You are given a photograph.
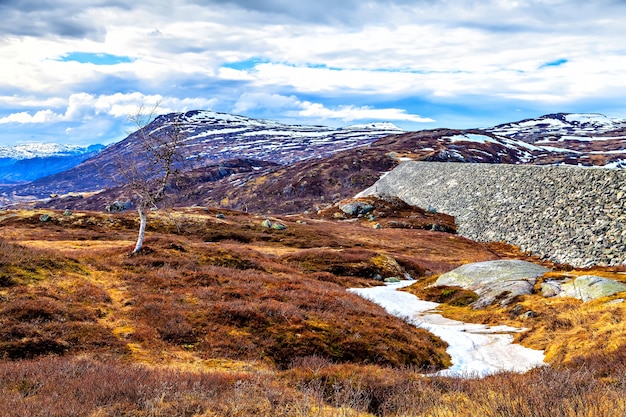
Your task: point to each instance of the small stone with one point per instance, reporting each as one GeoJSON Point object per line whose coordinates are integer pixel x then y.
{"type": "Point", "coordinates": [278, 226]}
{"type": "Point", "coordinates": [529, 315]}
{"type": "Point", "coordinates": [377, 226]}
{"type": "Point", "coordinates": [266, 223]}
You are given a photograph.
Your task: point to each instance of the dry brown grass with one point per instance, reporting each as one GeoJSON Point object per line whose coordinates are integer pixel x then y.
{"type": "Point", "coordinates": [229, 319]}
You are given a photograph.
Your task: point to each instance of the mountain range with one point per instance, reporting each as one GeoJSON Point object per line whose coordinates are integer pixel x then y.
{"type": "Point", "coordinates": [31, 161]}
{"type": "Point", "coordinates": [264, 166]}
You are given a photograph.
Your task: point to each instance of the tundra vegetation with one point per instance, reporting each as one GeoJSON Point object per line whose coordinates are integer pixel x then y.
{"type": "Point", "coordinates": [219, 316]}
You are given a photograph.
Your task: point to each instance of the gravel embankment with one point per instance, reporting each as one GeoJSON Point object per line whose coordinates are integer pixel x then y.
{"type": "Point", "coordinates": [568, 214]}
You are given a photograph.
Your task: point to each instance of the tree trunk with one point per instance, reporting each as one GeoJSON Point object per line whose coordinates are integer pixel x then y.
{"type": "Point", "coordinates": [142, 229]}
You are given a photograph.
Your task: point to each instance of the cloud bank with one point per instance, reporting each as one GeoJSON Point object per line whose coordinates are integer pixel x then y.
{"type": "Point", "coordinates": [73, 71]}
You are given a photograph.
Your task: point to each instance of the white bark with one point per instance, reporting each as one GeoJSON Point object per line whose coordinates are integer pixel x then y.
{"type": "Point", "coordinates": [142, 229]}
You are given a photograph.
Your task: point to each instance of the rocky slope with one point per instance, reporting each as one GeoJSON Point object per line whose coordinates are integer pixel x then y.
{"type": "Point", "coordinates": [567, 214]}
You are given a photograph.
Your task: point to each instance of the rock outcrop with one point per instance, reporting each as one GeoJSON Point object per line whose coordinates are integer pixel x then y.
{"type": "Point", "coordinates": [585, 288]}
{"type": "Point", "coordinates": [500, 280]}
{"type": "Point", "coordinates": [566, 214]}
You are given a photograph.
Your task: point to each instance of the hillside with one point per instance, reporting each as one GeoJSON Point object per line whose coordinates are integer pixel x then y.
{"type": "Point", "coordinates": [315, 166]}
{"type": "Point", "coordinates": [209, 138]}
{"type": "Point", "coordinates": [221, 316]}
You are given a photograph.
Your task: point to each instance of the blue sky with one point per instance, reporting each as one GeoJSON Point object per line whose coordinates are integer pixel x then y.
{"type": "Point", "coordinates": [72, 71]}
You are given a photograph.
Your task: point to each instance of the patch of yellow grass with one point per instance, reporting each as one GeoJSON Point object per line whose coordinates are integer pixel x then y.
{"type": "Point", "coordinates": [69, 246]}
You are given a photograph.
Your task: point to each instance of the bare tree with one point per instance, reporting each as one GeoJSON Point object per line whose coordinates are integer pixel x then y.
{"type": "Point", "coordinates": [148, 175]}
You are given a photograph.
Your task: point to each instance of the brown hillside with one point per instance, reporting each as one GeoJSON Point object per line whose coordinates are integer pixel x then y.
{"type": "Point", "coordinates": [220, 316]}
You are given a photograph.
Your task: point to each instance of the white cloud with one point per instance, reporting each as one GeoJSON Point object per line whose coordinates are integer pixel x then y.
{"type": "Point", "coordinates": [454, 55]}
{"type": "Point", "coordinates": [260, 101]}
{"type": "Point", "coordinates": [84, 106]}
{"type": "Point", "coordinates": [290, 106]}
{"type": "Point", "coordinates": [42, 116]}
{"type": "Point", "coordinates": [351, 113]}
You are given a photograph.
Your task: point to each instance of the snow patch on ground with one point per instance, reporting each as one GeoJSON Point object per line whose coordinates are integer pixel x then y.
{"type": "Point", "coordinates": [477, 350]}
{"type": "Point", "coordinates": [470, 137]}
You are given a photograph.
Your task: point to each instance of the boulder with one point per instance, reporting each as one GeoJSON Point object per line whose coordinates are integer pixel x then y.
{"type": "Point", "coordinates": [116, 207]}
{"type": "Point", "coordinates": [266, 223]}
{"type": "Point", "coordinates": [356, 208]}
{"type": "Point", "coordinates": [500, 280]}
{"type": "Point", "coordinates": [590, 287]}
{"type": "Point", "coordinates": [278, 226]}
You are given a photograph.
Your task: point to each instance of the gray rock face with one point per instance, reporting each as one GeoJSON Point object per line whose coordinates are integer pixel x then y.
{"type": "Point", "coordinates": [585, 287]}
{"type": "Point", "coordinates": [567, 214]}
{"type": "Point", "coordinates": [500, 280]}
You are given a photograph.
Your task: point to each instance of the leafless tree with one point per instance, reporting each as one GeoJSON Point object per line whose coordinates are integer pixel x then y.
{"type": "Point", "coordinates": [147, 176]}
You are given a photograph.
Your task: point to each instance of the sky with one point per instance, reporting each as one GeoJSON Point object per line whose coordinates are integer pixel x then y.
{"type": "Point", "coordinates": [73, 71]}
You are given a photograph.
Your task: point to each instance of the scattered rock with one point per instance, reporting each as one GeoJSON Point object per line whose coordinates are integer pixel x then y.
{"type": "Point", "coordinates": [67, 212]}
{"type": "Point", "coordinates": [377, 226]}
{"type": "Point", "coordinates": [529, 315]}
{"type": "Point", "coordinates": [590, 287]}
{"type": "Point", "coordinates": [266, 223]}
{"type": "Point", "coordinates": [44, 218]}
{"type": "Point", "coordinates": [220, 216]}
{"type": "Point", "coordinates": [278, 226]}
{"type": "Point", "coordinates": [500, 280]}
{"type": "Point", "coordinates": [391, 280]}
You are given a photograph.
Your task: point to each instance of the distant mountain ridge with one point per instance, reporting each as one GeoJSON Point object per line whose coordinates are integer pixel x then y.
{"type": "Point", "coordinates": [265, 166]}
{"type": "Point", "coordinates": [210, 138]}
{"type": "Point", "coordinates": [42, 150]}
{"type": "Point", "coordinates": [553, 127]}
{"type": "Point", "coordinates": [31, 161]}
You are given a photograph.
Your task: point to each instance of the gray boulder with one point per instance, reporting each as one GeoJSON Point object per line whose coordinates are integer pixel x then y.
{"type": "Point", "coordinates": [116, 207]}
{"type": "Point", "coordinates": [278, 226]}
{"type": "Point", "coordinates": [590, 287]}
{"type": "Point", "coordinates": [356, 208]}
{"type": "Point", "coordinates": [500, 280]}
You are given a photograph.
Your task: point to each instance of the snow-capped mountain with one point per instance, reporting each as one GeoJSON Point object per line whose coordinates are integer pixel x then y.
{"type": "Point", "coordinates": [219, 136]}
{"type": "Point", "coordinates": [28, 162]}
{"type": "Point", "coordinates": [561, 126]}
{"type": "Point", "coordinates": [300, 167]}
{"type": "Point", "coordinates": [42, 150]}
{"type": "Point", "coordinates": [573, 139]}
{"type": "Point", "coordinates": [210, 138]}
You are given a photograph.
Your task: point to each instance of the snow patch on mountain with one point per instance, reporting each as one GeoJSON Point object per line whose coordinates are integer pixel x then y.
{"type": "Point", "coordinates": [560, 125]}
{"type": "Point", "coordinates": [42, 150]}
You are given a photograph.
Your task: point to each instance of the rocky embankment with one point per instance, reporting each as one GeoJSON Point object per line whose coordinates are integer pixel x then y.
{"type": "Point", "coordinates": [566, 214]}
